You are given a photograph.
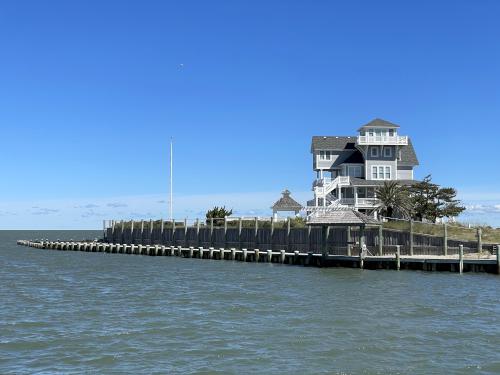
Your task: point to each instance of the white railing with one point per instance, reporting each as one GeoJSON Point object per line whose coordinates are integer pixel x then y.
{"type": "Point", "coordinates": [348, 201]}
{"type": "Point", "coordinates": [383, 140]}
{"type": "Point", "coordinates": [367, 202]}
{"type": "Point", "coordinates": [323, 189]}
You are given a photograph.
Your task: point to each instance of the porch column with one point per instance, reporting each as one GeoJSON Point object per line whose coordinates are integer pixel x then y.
{"type": "Point", "coordinates": [355, 197]}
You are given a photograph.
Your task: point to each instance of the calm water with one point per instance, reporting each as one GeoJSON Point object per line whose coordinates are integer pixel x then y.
{"type": "Point", "coordinates": [70, 312]}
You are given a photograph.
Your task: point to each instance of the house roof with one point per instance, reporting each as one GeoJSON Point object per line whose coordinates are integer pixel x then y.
{"type": "Point", "coordinates": [286, 203]}
{"type": "Point", "coordinates": [379, 123]}
{"type": "Point", "coordinates": [408, 155]}
{"type": "Point", "coordinates": [356, 157]}
{"type": "Point", "coordinates": [344, 216]}
{"type": "Point", "coordinates": [333, 143]}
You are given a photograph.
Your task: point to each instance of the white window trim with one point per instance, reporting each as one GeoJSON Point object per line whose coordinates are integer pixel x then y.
{"type": "Point", "coordinates": [377, 169]}
{"type": "Point", "coordinates": [374, 148]}
{"type": "Point", "coordinates": [390, 152]}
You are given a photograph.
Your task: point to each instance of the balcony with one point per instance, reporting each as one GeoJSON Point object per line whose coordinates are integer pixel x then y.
{"type": "Point", "coordinates": [396, 140]}
{"type": "Point", "coordinates": [367, 202]}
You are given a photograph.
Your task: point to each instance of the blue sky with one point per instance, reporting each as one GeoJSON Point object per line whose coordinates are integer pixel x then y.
{"type": "Point", "coordinates": [92, 91]}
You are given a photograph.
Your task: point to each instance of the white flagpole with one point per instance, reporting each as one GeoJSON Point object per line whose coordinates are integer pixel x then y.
{"type": "Point", "coordinates": [171, 178]}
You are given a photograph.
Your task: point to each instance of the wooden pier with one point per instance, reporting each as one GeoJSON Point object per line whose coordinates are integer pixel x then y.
{"type": "Point", "coordinates": [459, 263]}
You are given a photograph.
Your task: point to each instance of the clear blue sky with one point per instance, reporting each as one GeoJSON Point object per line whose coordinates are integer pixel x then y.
{"type": "Point", "coordinates": [91, 92]}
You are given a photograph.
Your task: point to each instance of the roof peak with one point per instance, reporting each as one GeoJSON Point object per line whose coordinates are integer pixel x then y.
{"type": "Point", "coordinates": [380, 123]}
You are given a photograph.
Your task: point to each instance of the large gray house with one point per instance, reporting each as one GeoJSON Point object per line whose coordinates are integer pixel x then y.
{"type": "Point", "coordinates": [349, 169]}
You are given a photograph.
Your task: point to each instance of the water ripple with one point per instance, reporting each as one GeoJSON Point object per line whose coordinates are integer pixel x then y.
{"type": "Point", "coordinates": [79, 313]}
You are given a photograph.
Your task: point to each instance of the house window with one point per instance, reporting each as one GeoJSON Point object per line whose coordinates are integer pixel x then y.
{"type": "Point", "coordinates": [354, 171]}
{"type": "Point", "coordinates": [325, 155]}
{"type": "Point", "coordinates": [391, 132]}
{"type": "Point", "coordinates": [371, 132]}
{"type": "Point", "coordinates": [381, 172]}
{"type": "Point", "coordinates": [388, 152]}
{"type": "Point", "coordinates": [374, 152]}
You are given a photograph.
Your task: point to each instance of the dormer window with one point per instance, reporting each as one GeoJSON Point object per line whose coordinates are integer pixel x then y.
{"type": "Point", "coordinates": [374, 152]}
{"type": "Point", "coordinates": [388, 152]}
{"type": "Point", "coordinates": [325, 155]}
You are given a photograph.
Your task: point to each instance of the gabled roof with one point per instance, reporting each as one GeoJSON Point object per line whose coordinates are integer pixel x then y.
{"type": "Point", "coordinates": [286, 203]}
{"type": "Point", "coordinates": [344, 216]}
{"type": "Point", "coordinates": [379, 123]}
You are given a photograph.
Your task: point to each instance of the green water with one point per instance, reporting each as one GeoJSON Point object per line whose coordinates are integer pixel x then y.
{"type": "Point", "coordinates": [80, 313]}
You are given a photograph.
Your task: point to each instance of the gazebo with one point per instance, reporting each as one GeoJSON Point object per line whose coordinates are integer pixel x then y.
{"type": "Point", "coordinates": [341, 217]}
{"type": "Point", "coordinates": [286, 203]}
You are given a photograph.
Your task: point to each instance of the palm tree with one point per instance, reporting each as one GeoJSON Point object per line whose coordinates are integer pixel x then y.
{"type": "Point", "coordinates": [394, 199]}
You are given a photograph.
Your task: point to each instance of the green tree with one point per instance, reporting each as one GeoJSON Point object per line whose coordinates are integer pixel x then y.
{"type": "Point", "coordinates": [423, 196]}
{"type": "Point", "coordinates": [430, 201]}
{"type": "Point", "coordinates": [448, 205]}
{"type": "Point", "coordinates": [218, 214]}
{"type": "Point", "coordinates": [394, 199]}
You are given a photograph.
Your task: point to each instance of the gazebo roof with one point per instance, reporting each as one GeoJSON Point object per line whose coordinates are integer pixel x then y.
{"type": "Point", "coordinates": [343, 217]}
{"type": "Point", "coordinates": [286, 203]}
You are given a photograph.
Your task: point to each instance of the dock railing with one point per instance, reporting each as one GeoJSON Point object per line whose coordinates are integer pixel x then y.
{"type": "Point", "coordinates": [291, 234]}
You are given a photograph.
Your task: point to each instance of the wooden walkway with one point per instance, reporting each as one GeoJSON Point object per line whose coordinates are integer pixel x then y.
{"type": "Point", "coordinates": [469, 263]}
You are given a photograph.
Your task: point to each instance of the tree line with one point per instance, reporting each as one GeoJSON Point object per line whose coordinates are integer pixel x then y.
{"type": "Point", "coordinates": [421, 201]}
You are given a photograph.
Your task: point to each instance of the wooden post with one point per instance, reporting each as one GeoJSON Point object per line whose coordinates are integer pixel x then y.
{"type": "Point", "coordinates": [445, 239]}
{"type": "Point", "coordinates": [173, 232]}
{"type": "Point", "coordinates": [362, 238]}
{"type": "Point", "coordinates": [186, 242]}
{"type": "Point", "coordinates": [272, 231]}
{"type": "Point", "coordinates": [479, 240]}
{"type": "Point", "coordinates": [498, 258]}
{"type": "Point", "coordinates": [211, 232]}
{"type": "Point", "coordinates": [198, 232]}
{"type": "Point", "coordinates": [349, 240]}
{"type": "Point", "coordinates": [162, 229]}
{"type": "Point", "coordinates": [142, 230]}
{"type": "Point", "coordinates": [240, 228]}
{"type": "Point", "coordinates": [132, 231]}
{"type": "Point", "coordinates": [122, 229]}
{"type": "Point", "coordinates": [288, 235]}
{"type": "Point", "coordinates": [309, 238]}
{"type": "Point", "coordinates": [411, 237]}
{"type": "Point", "coordinates": [225, 231]}
{"type": "Point", "coordinates": [256, 238]}
{"type": "Point", "coordinates": [398, 257]}
{"type": "Point", "coordinates": [380, 240]}
{"type": "Point", "coordinates": [325, 229]}
{"type": "Point", "coordinates": [361, 246]}
{"type": "Point", "coordinates": [461, 258]}
{"type": "Point", "coordinates": [150, 231]}
{"type": "Point", "coordinates": [112, 231]}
